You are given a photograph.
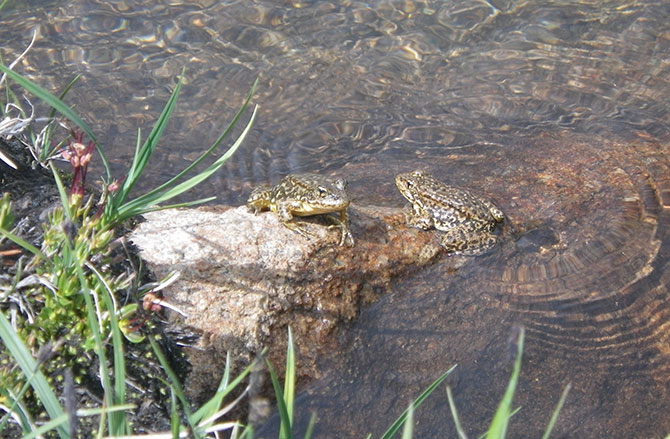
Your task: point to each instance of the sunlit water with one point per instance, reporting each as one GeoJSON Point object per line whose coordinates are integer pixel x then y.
{"type": "Point", "coordinates": [473, 91]}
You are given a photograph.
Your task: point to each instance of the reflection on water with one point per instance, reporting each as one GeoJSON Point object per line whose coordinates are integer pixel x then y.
{"type": "Point", "coordinates": [360, 82]}
{"type": "Point", "coordinates": [465, 89]}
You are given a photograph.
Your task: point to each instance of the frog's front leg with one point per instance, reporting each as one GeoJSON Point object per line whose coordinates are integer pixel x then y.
{"type": "Point", "coordinates": [284, 211]}
{"type": "Point", "coordinates": [462, 240]}
{"type": "Point", "coordinates": [417, 217]}
{"type": "Point", "coordinates": [343, 224]}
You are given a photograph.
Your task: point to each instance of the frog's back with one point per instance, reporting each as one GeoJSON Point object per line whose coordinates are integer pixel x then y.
{"type": "Point", "coordinates": [299, 187]}
{"type": "Point", "coordinates": [451, 204]}
{"type": "Point", "coordinates": [468, 205]}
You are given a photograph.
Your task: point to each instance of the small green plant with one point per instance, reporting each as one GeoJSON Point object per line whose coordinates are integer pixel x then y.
{"type": "Point", "coordinates": [505, 411]}
{"type": "Point", "coordinates": [75, 305]}
{"type": "Point", "coordinates": [6, 217]}
{"type": "Point", "coordinates": [286, 397]}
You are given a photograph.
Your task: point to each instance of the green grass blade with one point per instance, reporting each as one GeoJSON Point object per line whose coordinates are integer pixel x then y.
{"type": "Point", "coordinates": [50, 99]}
{"type": "Point", "coordinates": [454, 415]}
{"type": "Point", "coordinates": [289, 377]}
{"type": "Point", "coordinates": [28, 365]}
{"type": "Point", "coordinates": [175, 386]}
{"type": "Point", "coordinates": [138, 150]}
{"type": "Point", "coordinates": [285, 426]}
{"type": "Point", "coordinates": [48, 426]}
{"type": "Point", "coordinates": [96, 411]}
{"type": "Point", "coordinates": [16, 400]}
{"type": "Point", "coordinates": [248, 433]}
{"type": "Point", "coordinates": [557, 410]}
{"type": "Point", "coordinates": [45, 153]}
{"type": "Point", "coordinates": [117, 419]}
{"type": "Point", "coordinates": [24, 244]}
{"type": "Point", "coordinates": [174, 415]}
{"type": "Point", "coordinates": [15, 407]}
{"type": "Point", "coordinates": [148, 201]}
{"type": "Point", "coordinates": [409, 423]}
{"type": "Point", "coordinates": [99, 347]}
{"type": "Point", "coordinates": [498, 427]}
{"type": "Point", "coordinates": [64, 199]}
{"type": "Point", "coordinates": [54, 423]}
{"type": "Point", "coordinates": [208, 409]}
{"type": "Point", "coordinates": [57, 104]}
{"type": "Point", "coordinates": [218, 141]}
{"type": "Point", "coordinates": [149, 146]}
{"type": "Point", "coordinates": [417, 402]}
{"type": "Point", "coordinates": [310, 426]}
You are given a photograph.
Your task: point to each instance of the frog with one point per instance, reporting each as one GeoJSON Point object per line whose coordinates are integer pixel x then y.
{"type": "Point", "coordinates": [467, 219]}
{"type": "Point", "coordinates": [305, 195]}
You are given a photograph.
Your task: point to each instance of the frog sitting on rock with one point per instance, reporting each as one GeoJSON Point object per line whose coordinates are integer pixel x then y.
{"type": "Point", "coordinates": [467, 219]}
{"type": "Point", "coordinates": [305, 195]}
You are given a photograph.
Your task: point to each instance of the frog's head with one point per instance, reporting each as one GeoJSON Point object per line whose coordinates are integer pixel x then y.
{"type": "Point", "coordinates": [409, 183]}
{"type": "Point", "coordinates": [325, 197]}
{"type": "Point", "coordinates": [496, 213]}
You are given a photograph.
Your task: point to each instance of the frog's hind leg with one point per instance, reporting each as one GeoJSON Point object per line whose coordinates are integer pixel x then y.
{"type": "Point", "coordinates": [462, 241]}
{"type": "Point", "coordinates": [259, 199]}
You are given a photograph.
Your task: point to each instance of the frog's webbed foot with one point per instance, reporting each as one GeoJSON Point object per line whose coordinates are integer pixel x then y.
{"type": "Point", "coordinates": [298, 228]}
{"type": "Point", "coordinates": [463, 242]}
{"type": "Point", "coordinates": [345, 237]}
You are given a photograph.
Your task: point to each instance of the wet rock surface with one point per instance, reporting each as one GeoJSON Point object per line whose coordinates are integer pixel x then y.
{"type": "Point", "coordinates": [245, 278]}
{"type": "Point", "coordinates": [582, 263]}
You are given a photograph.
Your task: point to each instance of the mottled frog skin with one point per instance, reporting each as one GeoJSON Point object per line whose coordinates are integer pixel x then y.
{"type": "Point", "coordinates": [304, 195]}
{"type": "Point", "coordinates": [467, 219]}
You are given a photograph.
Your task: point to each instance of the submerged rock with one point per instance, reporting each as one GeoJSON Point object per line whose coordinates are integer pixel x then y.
{"type": "Point", "coordinates": [245, 278]}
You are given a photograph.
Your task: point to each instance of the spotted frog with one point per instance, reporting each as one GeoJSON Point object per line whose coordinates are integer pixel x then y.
{"type": "Point", "coordinates": [467, 219]}
{"type": "Point", "coordinates": [304, 195]}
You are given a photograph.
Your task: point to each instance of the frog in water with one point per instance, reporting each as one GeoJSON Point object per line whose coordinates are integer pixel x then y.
{"type": "Point", "coordinates": [304, 195]}
{"type": "Point", "coordinates": [467, 219]}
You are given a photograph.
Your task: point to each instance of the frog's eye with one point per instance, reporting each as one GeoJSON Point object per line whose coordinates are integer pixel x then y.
{"type": "Point", "coordinates": [322, 191]}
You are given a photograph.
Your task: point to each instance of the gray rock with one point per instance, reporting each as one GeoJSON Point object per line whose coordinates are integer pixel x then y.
{"type": "Point", "coordinates": [245, 278]}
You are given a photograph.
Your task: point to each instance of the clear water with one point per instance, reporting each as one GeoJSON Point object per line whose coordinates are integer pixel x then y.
{"type": "Point", "coordinates": [509, 97]}
{"type": "Point", "coordinates": [352, 82]}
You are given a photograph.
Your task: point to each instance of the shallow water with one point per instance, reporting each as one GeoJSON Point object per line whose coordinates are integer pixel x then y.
{"type": "Point", "coordinates": [558, 112]}
{"type": "Point", "coordinates": [373, 82]}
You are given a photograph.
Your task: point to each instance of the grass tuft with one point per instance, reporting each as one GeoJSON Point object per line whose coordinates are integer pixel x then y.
{"type": "Point", "coordinates": [79, 299]}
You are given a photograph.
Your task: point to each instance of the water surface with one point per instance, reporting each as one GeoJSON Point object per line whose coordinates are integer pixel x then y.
{"type": "Point", "coordinates": [557, 111]}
